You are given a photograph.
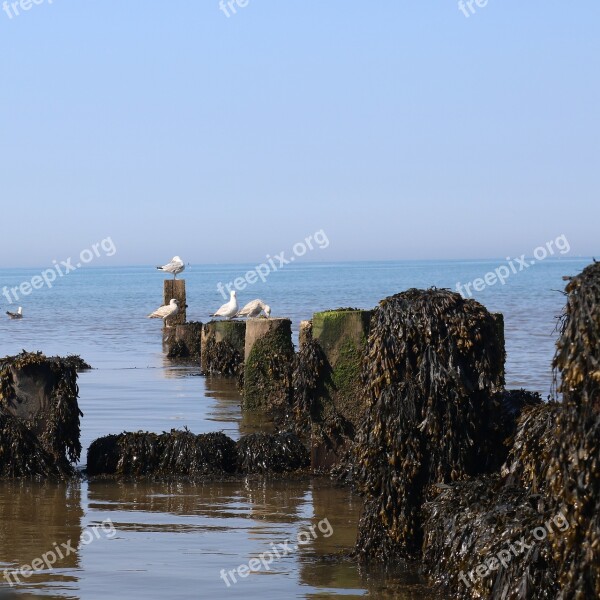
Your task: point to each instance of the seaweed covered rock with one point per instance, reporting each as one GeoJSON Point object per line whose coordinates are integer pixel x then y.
{"type": "Point", "coordinates": [511, 405]}
{"type": "Point", "coordinates": [483, 539]}
{"type": "Point", "coordinates": [269, 364]}
{"type": "Point", "coordinates": [41, 393]}
{"type": "Point", "coordinates": [271, 453]}
{"type": "Point", "coordinates": [434, 362]}
{"type": "Point", "coordinates": [577, 357]}
{"type": "Point", "coordinates": [222, 347]}
{"type": "Point", "coordinates": [177, 453]}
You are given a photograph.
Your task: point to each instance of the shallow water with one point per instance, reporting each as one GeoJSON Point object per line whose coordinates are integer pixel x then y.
{"type": "Point", "coordinates": [171, 541]}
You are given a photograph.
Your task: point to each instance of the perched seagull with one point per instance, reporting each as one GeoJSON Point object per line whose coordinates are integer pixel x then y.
{"type": "Point", "coordinates": [229, 309]}
{"type": "Point", "coordinates": [166, 311]}
{"type": "Point", "coordinates": [254, 308]}
{"type": "Point", "coordinates": [17, 315]}
{"type": "Point", "coordinates": [175, 267]}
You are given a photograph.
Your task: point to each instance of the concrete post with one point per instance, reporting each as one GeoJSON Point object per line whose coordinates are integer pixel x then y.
{"type": "Point", "coordinates": [269, 356]}
{"type": "Point", "coordinates": [222, 347]}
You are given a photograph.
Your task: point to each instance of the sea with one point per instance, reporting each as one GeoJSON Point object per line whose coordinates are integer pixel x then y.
{"type": "Point", "coordinates": [182, 540]}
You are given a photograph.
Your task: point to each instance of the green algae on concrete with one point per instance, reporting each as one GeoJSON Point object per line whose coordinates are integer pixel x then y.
{"type": "Point", "coordinates": [268, 368]}
{"type": "Point", "coordinates": [342, 335]}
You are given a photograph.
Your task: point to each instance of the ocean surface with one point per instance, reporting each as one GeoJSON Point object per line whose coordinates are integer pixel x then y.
{"type": "Point", "coordinates": [172, 541]}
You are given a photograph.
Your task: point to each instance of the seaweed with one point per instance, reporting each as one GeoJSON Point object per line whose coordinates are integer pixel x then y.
{"type": "Point", "coordinates": [577, 357]}
{"type": "Point", "coordinates": [42, 392]}
{"type": "Point", "coordinates": [174, 454]}
{"type": "Point", "coordinates": [434, 361]}
{"type": "Point", "coordinates": [221, 358]}
{"type": "Point", "coordinates": [474, 533]}
{"type": "Point", "coordinates": [22, 454]}
{"type": "Point", "coordinates": [271, 453]}
{"type": "Point", "coordinates": [268, 373]}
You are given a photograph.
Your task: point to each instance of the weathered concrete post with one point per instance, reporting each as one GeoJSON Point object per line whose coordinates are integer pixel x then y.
{"type": "Point", "coordinates": [222, 347]}
{"type": "Point", "coordinates": [175, 288]}
{"type": "Point", "coordinates": [186, 342]}
{"type": "Point", "coordinates": [342, 336]}
{"type": "Point", "coordinates": [269, 356]}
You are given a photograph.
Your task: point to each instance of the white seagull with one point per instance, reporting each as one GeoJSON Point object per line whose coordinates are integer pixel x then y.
{"type": "Point", "coordinates": [254, 309]}
{"type": "Point", "coordinates": [229, 309]}
{"type": "Point", "coordinates": [17, 315]}
{"type": "Point", "coordinates": [175, 267]}
{"type": "Point", "coordinates": [166, 311]}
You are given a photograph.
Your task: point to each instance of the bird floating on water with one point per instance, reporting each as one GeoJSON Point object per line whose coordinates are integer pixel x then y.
{"type": "Point", "coordinates": [17, 315]}
{"type": "Point", "coordinates": [174, 267]}
{"type": "Point", "coordinates": [166, 311]}
{"type": "Point", "coordinates": [229, 309]}
{"type": "Point", "coordinates": [254, 309]}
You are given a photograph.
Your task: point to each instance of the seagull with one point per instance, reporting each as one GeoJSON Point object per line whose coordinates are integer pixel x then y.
{"type": "Point", "coordinates": [17, 315]}
{"type": "Point", "coordinates": [166, 311]}
{"type": "Point", "coordinates": [254, 308]}
{"type": "Point", "coordinates": [176, 266]}
{"type": "Point", "coordinates": [229, 309]}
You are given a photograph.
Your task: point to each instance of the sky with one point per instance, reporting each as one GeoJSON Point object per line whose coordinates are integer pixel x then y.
{"type": "Point", "coordinates": [403, 130]}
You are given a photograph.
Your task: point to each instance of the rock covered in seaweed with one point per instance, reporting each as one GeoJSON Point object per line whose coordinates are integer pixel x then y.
{"type": "Point", "coordinates": [483, 539]}
{"type": "Point", "coordinates": [271, 453]}
{"type": "Point", "coordinates": [434, 361]}
{"type": "Point", "coordinates": [177, 453]}
{"type": "Point", "coordinates": [577, 355]}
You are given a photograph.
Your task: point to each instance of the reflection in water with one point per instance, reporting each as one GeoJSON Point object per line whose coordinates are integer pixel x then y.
{"type": "Point", "coordinates": [35, 519]}
{"type": "Point", "coordinates": [175, 537]}
{"type": "Point", "coordinates": [227, 408]}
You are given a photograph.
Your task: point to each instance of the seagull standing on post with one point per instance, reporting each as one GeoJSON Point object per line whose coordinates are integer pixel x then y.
{"type": "Point", "coordinates": [175, 267]}
{"type": "Point", "coordinates": [166, 311]}
{"type": "Point", "coordinates": [229, 309]}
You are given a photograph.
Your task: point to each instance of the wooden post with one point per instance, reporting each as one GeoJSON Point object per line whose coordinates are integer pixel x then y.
{"type": "Point", "coordinates": [175, 288]}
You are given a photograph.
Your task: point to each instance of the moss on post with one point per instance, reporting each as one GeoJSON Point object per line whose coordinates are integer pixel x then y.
{"type": "Point", "coordinates": [269, 364]}
{"type": "Point", "coordinates": [342, 334]}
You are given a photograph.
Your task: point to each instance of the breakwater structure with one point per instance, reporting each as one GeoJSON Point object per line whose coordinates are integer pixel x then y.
{"type": "Point", "coordinates": [493, 492]}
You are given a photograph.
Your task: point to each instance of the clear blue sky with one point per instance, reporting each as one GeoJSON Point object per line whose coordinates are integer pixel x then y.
{"type": "Point", "coordinates": [403, 129]}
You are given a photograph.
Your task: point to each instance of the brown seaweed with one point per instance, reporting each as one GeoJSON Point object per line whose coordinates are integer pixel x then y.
{"type": "Point", "coordinates": [434, 363]}
{"type": "Point", "coordinates": [271, 453]}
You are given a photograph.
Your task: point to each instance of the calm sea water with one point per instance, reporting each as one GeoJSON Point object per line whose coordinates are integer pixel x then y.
{"type": "Point", "coordinates": [173, 540]}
